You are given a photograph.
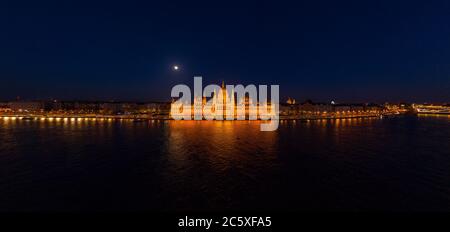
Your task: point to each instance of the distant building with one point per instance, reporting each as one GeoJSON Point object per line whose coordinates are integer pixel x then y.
{"type": "Point", "coordinates": [87, 107]}
{"type": "Point", "coordinates": [290, 101]}
{"type": "Point", "coordinates": [4, 107]}
{"type": "Point", "coordinates": [73, 107]}
{"type": "Point", "coordinates": [152, 108]}
{"type": "Point", "coordinates": [342, 108]}
{"type": "Point", "coordinates": [27, 106]}
{"type": "Point", "coordinates": [288, 109]}
{"type": "Point", "coordinates": [157, 107]}
{"type": "Point", "coordinates": [112, 108]}
{"type": "Point", "coordinates": [371, 107]}
{"type": "Point", "coordinates": [311, 107]}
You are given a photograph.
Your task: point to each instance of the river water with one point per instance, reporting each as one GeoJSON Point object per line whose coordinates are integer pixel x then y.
{"type": "Point", "coordinates": [366, 164]}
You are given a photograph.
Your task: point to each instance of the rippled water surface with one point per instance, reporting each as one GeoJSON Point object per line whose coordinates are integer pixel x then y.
{"type": "Point", "coordinates": [394, 164]}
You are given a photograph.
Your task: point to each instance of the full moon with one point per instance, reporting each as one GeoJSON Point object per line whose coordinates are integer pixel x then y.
{"type": "Point", "coordinates": [175, 67]}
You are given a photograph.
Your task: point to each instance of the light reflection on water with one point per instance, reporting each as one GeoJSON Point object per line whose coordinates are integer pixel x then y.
{"type": "Point", "coordinates": [346, 164]}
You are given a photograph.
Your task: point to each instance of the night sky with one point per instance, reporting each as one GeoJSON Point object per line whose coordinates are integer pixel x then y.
{"type": "Point", "coordinates": [321, 50]}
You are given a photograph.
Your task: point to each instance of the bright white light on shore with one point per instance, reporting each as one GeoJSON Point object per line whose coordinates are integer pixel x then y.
{"type": "Point", "coordinates": [175, 67]}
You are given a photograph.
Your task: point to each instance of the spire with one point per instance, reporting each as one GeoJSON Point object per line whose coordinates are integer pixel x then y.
{"type": "Point", "coordinates": [223, 84]}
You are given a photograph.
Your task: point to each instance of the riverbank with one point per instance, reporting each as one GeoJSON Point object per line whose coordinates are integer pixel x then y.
{"type": "Point", "coordinates": [167, 117]}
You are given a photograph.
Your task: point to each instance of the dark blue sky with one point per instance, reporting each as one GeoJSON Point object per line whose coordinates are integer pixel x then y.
{"type": "Point", "coordinates": [342, 50]}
